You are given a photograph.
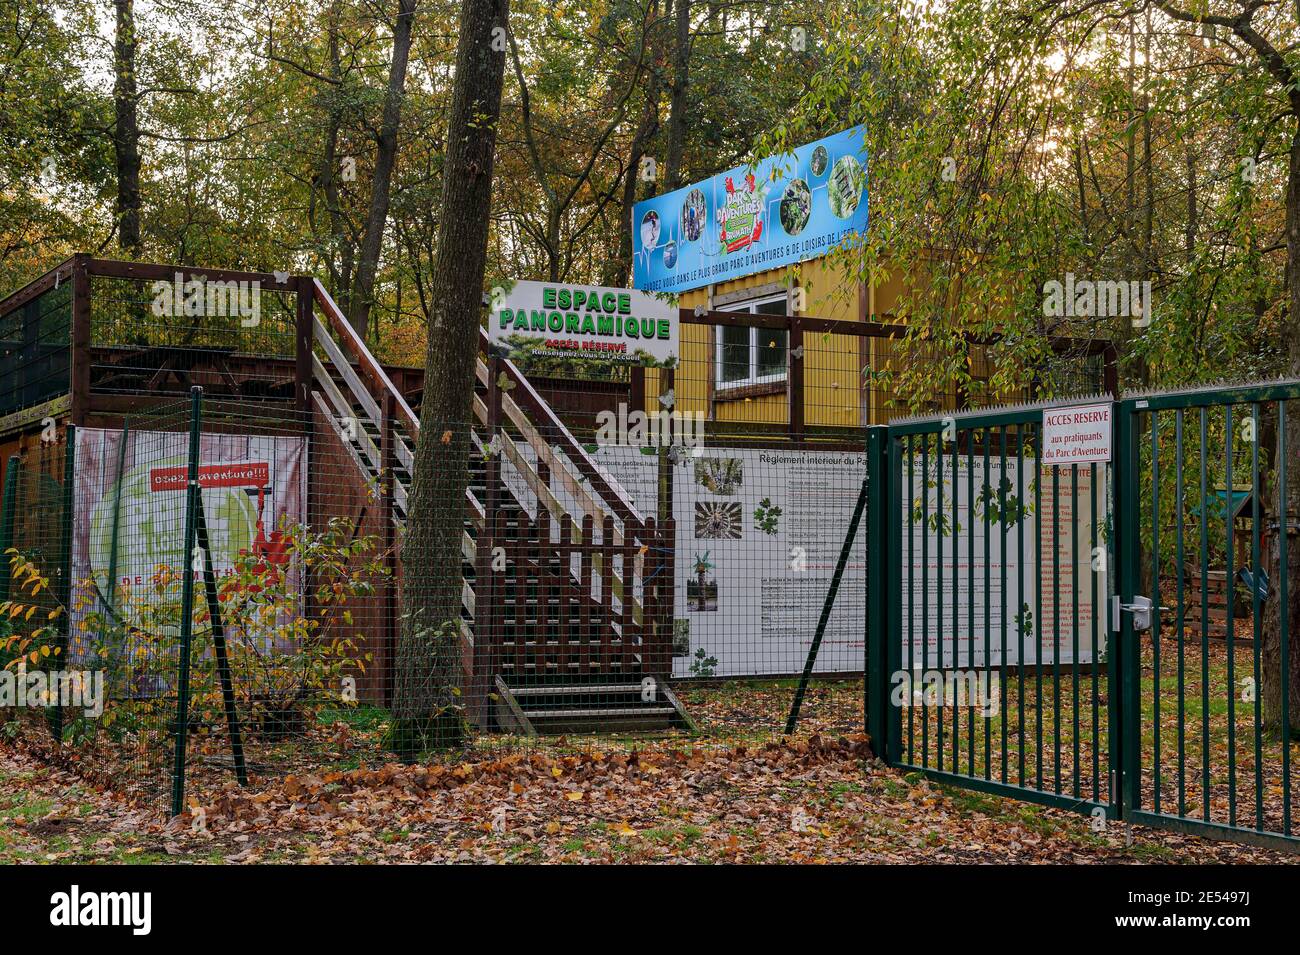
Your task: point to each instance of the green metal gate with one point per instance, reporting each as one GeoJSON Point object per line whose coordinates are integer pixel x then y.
{"type": "Point", "coordinates": [1096, 636]}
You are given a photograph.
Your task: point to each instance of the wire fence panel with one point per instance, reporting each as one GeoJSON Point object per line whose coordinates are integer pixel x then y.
{"type": "Point", "coordinates": [230, 336]}
{"type": "Point", "coordinates": [90, 560]}
{"type": "Point", "coordinates": [35, 351]}
{"type": "Point", "coordinates": [621, 591]}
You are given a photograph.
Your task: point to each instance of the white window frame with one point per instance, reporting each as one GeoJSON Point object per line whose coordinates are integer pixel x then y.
{"type": "Point", "coordinates": [753, 378]}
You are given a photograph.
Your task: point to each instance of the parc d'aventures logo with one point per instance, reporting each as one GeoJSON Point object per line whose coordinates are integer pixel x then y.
{"type": "Point", "coordinates": [741, 214]}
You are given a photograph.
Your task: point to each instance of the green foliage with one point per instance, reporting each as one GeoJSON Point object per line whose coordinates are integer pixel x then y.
{"type": "Point", "coordinates": [289, 657]}
{"type": "Point", "coordinates": [767, 516]}
{"type": "Point", "coordinates": [703, 665]}
{"type": "Point", "coordinates": [1000, 505]}
{"type": "Point", "coordinates": [1011, 145]}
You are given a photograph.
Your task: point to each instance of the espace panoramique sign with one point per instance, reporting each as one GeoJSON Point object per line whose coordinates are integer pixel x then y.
{"type": "Point", "coordinates": [785, 209]}
{"type": "Point", "coordinates": [560, 320]}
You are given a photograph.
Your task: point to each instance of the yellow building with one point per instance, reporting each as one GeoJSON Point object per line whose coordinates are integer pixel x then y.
{"type": "Point", "coordinates": [747, 372]}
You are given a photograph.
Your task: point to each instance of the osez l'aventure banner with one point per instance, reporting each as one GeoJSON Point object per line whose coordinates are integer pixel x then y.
{"type": "Point", "coordinates": [788, 208]}
{"type": "Point", "coordinates": [252, 487]}
{"type": "Point", "coordinates": [559, 320]}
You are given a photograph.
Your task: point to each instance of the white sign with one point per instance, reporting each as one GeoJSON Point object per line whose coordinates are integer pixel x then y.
{"type": "Point", "coordinates": [758, 536]}
{"type": "Point", "coordinates": [976, 591]}
{"type": "Point", "coordinates": [1076, 435]}
{"type": "Point", "coordinates": [560, 320]}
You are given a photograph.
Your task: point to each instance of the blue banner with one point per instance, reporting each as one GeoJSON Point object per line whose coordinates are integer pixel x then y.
{"type": "Point", "coordinates": [787, 209]}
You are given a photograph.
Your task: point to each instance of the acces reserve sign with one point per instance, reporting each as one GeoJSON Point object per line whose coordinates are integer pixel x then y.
{"type": "Point", "coordinates": [1079, 434]}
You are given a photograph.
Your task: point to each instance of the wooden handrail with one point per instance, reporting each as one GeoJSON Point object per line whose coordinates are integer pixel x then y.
{"type": "Point", "coordinates": [352, 342]}
{"type": "Point", "coordinates": [529, 399]}
{"type": "Point", "coordinates": [38, 286]}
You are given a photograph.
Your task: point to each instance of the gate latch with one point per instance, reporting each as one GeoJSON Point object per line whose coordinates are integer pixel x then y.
{"type": "Point", "coordinates": [1140, 608]}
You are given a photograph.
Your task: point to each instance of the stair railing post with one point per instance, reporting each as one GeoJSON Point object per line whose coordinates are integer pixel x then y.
{"type": "Point", "coordinates": [794, 343]}
{"type": "Point", "coordinates": [303, 338]}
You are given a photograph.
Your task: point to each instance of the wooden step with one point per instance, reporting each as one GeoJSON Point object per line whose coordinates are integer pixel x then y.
{"type": "Point", "coordinates": [567, 708]}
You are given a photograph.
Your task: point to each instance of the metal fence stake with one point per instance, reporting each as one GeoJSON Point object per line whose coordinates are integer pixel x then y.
{"type": "Point", "coordinates": [829, 603]}
{"type": "Point", "coordinates": [187, 603]}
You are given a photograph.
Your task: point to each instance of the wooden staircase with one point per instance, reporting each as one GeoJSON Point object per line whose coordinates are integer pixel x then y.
{"type": "Point", "coordinates": [566, 635]}
{"type": "Point", "coordinates": [1214, 611]}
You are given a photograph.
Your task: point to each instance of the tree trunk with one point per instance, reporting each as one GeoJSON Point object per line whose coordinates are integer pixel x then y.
{"type": "Point", "coordinates": [426, 695]}
{"type": "Point", "coordinates": [126, 131]}
{"type": "Point", "coordinates": [617, 268]}
{"type": "Point", "coordinates": [677, 102]}
{"type": "Point", "coordinates": [1288, 509]}
{"type": "Point", "coordinates": [341, 251]}
{"type": "Point", "coordinates": [363, 290]}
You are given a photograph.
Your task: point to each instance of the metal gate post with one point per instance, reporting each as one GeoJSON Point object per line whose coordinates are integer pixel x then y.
{"type": "Point", "coordinates": [63, 640]}
{"type": "Point", "coordinates": [891, 618]}
{"type": "Point", "coordinates": [1123, 657]}
{"type": "Point", "coordinates": [878, 557]}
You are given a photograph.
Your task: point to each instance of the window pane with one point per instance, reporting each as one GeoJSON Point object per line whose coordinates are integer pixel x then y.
{"type": "Point", "coordinates": [772, 346]}
{"type": "Point", "coordinates": [771, 308]}
{"type": "Point", "coordinates": [735, 354]}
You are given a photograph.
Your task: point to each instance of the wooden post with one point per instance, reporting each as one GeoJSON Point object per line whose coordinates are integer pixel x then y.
{"type": "Point", "coordinates": [668, 587]}
{"type": "Point", "coordinates": [607, 552]}
{"type": "Point", "coordinates": [303, 329]}
{"type": "Point", "coordinates": [566, 611]}
{"type": "Point", "coordinates": [545, 553]}
{"type": "Point", "coordinates": [523, 556]}
{"type": "Point", "coordinates": [79, 385]}
{"type": "Point", "coordinates": [664, 541]}
{"type": "Point", "coordinates": [796, 379]}
{"type": "Point", "coordinates": [652, 630]}
{"type": "Point", "coordinates": [586, 595]}
{"type": "Point", "coordinates": [636, 399]}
